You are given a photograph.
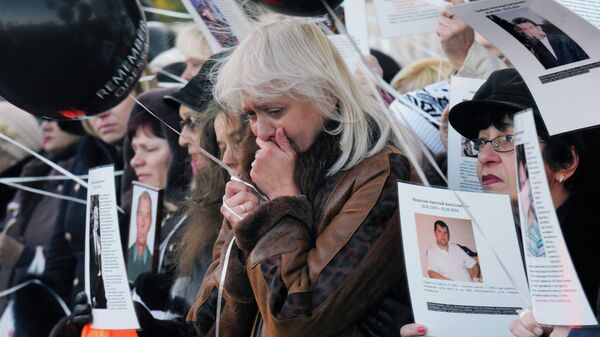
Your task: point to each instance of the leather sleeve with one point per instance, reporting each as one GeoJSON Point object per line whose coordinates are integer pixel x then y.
{"type": "Point", "coordinates": [302, 284]}
{"type": "Point", "coordinates": [238, 304]}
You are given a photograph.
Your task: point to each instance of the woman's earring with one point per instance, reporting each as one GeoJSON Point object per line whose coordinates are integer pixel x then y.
{"type": "Point", "coordinates": [561, 178]}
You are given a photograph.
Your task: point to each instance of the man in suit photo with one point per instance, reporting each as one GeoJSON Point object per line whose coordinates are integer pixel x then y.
{"type": "Point", "coordinates": [551, 49]}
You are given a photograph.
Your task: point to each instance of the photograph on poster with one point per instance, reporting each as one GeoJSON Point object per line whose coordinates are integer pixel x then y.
{"type": "Point", "coordinates": [98, 294]}
{"type": "Point", "coordinates": [467, 148]}
{"type": "Point", "coordinates": [447, 248]}
{"type": "Point", "coordinates": [533, 239]}
{"type": "Point", "coordinates": [142, 231]}
{"type": "Point", "coordinates": [548, 43]}
{"type": "Point", "coordinates": [216, 22]}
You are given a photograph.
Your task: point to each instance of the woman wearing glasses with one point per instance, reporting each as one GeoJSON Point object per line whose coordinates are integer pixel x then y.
{"type": "Point", "coordinates": [569, 163]}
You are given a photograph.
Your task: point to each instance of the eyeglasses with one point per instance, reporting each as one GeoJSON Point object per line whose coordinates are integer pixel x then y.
{"type": "Point", "coordinates": [503, 143]}
{"type": "Point", "coordinates": [190, 122]}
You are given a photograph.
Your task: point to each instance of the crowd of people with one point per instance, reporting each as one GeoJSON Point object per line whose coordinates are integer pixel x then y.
{"type": "Point", "coordinates": [307, 233]}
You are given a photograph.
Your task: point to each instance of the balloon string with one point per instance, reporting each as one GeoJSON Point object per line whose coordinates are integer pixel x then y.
{"type": "Point", "coordinates": [222, 284]}
{"type": "Point", "coordinates": [165, 12]}
{"type": "Point", "coordinates": [18, 287]}
{"type": "Point", "coordinates": [42, 192]}
{"type": "Point", "coordinates": [411, 156]}
{"type": "Point", "coordinates": [396, 95]}
{"type": "Point", "coordinates": [43, 159]}
{"type": "Point", "coordinates": [204, 152]}
{"type": "Point", "coordinates": [232, 173]}
{"type": "Point", "coordinates": [173, 76]}
{"type": "Point", "coordinates": [47, 178]}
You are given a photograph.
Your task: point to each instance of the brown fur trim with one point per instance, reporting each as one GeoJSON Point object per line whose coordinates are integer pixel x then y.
{"type": "Point", "coordinates": [237, 285]}
{"type": "Point", "coordinates": [268, 215]}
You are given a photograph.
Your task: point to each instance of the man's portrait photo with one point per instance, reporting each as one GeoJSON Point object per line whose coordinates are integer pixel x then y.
{"type": "Point", "coordinates": [550, 45]}
{"type": "Point", "coordinates": [534, 242]}
{"type": "Point", "coordinates": [140, 254]}
{"type": "Point", "coordinates": [447, 248]}
{"type": "Point", "coordinates": [97, 293]}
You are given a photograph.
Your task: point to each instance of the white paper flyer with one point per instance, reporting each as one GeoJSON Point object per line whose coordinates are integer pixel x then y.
{"type": "Point", "coordinates": [352, 14]}
{"type": "Point", "coordinates": [462, 169]}
{"type": "Point", "coordinates": [457, 284]}
{"type": "Point", "coordinates": [587, 9]}
{"type": "Point", "coordinates": [222, 21]}
{"type": "Point", "coordinates": [557, 295]}
{"type": "Point", "coordinates": [422, 110]}
{"type": "Point", "coordinates": [105, 278]}
{"type": "Point", "coordinates": [556, 52]}
{"type": "Point", "coordinates": [408, 17]}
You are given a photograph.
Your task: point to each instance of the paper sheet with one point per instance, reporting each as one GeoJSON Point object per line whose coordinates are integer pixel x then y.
{"type": "Point", "coordinates": [421, 108]}
{"type": "Point", "coordinates": [557, 295]}
{"type": "Point", "coordinates": [352, 14]}
{"type": "Point", "coordinates": [471, 302]}
{"type": "Point", "coordinates": [408, 17]}
{"type": "Point", "coordinates": [105, 278]}
{"type": "Point", "coordinates": [587, 9]}
{"type": "Point", "coordinates": [462, 169]}
{"type": "Point", "coordinates": [222, 21]}
{"type": "Point", "coordinates": [144, 230]}
{"type": "Point", "coordinates": [561, 70]}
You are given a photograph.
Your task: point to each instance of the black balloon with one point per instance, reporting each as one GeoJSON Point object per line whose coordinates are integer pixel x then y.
{"type": "Point", "coordinates": [64, 59]}
{"type": "Point", "coordinates": [299, 7]}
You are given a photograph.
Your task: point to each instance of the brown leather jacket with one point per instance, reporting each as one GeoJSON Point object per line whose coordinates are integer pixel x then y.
{"type": "Point", "coordinates": [320, 269]}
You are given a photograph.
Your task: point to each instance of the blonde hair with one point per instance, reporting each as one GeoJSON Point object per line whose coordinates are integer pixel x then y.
{"type": "Point", "coordinates": [421, 73]}
{"type": "Point", "coordinates": [192, 43]}
{"type": "Point", "coordinates": [291, 56]}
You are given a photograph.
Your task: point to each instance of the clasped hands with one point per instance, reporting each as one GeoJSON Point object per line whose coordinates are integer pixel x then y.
{"type": "Point", "coordinates": [273, 173]}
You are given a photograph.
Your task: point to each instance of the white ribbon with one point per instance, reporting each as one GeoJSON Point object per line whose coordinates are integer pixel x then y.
{"type": "Point", "coordinates": [18, 287]}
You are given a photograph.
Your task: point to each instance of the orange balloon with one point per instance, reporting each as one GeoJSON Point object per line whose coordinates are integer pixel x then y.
{"type": "Point", "coordinates": [88, 331]}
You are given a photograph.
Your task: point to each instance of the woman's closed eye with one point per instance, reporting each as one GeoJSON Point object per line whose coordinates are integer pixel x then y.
{"type": "Point", "coordinates": [274, 112]}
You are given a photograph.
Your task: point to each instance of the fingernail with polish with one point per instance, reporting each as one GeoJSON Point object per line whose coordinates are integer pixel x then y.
{"type": "Point", "coordinates": [421, 330]}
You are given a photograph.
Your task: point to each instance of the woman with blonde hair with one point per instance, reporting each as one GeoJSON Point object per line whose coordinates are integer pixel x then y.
{"type": "Point", "coordinates": [325, 245]}
{"type": "Point", "coordinates": [420, 74]}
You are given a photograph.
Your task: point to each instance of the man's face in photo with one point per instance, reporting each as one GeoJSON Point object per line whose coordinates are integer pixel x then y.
{"type": "Point", "coordinates": [143, 219]}
{"type": "Point", "coordinates": [441, 235]}
{"type": "Point", "coordinates": [531, 30]}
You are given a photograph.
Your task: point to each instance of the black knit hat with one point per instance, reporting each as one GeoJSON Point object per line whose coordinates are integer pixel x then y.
{"type": "Point", "coordinates": [504, 92]}
{"type": "Point", "coordinates": [198, 92]}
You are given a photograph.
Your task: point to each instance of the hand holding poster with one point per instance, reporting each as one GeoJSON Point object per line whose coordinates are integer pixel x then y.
{"type": "Point", "coordinates": [556, 52]}
{"type": "Point", "coordinates": [105, 279]}
{"type": "Point", "coordinates": [557, 295]}
{"type": "Point", "coordinates": [457, 283]}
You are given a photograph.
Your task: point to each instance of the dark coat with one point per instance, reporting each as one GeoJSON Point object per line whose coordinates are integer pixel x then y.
{"type": "Point", "coordinates": [7, 193]}
{"type": "Point", "coordinates": [65, 262]}
{"type": "Point", "coordinates": [332, 256]}
{"type": "Point", "coordinates": [578, 219]}
{"type": "Point", "coordinates": [566, 51]}
{"type": "Point", "coordinates": [37, 215]}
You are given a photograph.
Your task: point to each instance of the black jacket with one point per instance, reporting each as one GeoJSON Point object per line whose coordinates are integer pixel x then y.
{"type": "Point", "coordinates": [65, 262]}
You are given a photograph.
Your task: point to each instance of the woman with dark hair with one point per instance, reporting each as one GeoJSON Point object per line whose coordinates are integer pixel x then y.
{"type": "Point", "coordinates": [28, 226]}
{"type": "Point", "coordinates": [570, 162]}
